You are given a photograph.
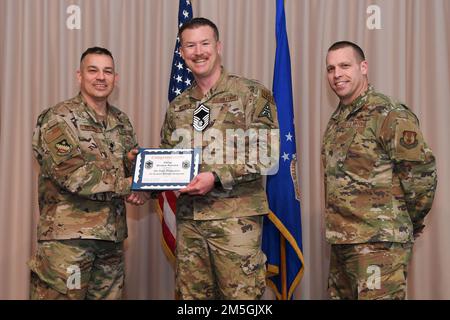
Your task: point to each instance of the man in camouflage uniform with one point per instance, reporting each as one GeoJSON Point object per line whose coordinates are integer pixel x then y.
{"type": "Point", "coordinates": [85, 148]}
{"type": "Point", "coordinates": [220, 213]}
{"type": "Point", "coordinates": [380, 180]}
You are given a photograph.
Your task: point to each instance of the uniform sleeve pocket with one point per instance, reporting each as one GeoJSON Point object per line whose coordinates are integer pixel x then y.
{"type": "Point", "coordinates": [408, 143]}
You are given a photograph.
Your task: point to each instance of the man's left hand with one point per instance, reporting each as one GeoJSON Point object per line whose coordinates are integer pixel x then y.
{"type": "Point", "coordinates": [200, 185]}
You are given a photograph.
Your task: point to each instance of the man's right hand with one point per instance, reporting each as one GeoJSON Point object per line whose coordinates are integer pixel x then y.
{"type": "Point", "coordinates": [131, 155]}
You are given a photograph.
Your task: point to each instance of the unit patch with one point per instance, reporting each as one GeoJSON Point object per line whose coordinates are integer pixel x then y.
{"type": "Point", "coordinates": [409, 139]}
{"type": "Point", "coordinates": [63, 147]}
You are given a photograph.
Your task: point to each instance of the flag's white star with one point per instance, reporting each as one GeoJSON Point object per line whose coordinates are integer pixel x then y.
{"type": "Point", "coordinates": [177, 91]}
{"type": "Point", "coordinates": [188, 2]}
{"type": "Point", "coordinates": [179, 66]}
{"type": "Point", "coordinates": [288, 137]}
{"type": "Point", "coordinates": [185, 14]}
{"type": "Point", "coordinates": [188, 82]}
{"type": "Point", "coordinates": [285, 156]}
{"type": "Point", "coordinates": [179, 78]}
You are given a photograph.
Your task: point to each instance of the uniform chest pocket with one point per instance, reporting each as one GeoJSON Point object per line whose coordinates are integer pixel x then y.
{"type": "Point", "coordinates": [235, 119]}
{"type": "Point", "coordinates": [119, 141]}
{"type": "Point", "coordinates": [336, 148]}
{"type": "Point", "coordinates": [361, 156]}
{"type": "Point", "coordinates": [90, 142]}
{"type": "Point", "coordinates": [230, 116]}
{"type": "Point", "coordinates": [125, 138]}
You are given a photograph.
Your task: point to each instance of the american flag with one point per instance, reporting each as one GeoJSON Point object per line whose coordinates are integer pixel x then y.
{"type": "Point", "coordinates": [181, 76]}
{"type": "Point", "coordinates": [180, 79]}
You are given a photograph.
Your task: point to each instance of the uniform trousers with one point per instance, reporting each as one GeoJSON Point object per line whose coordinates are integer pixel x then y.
{"type": "Point", "coordinates": [220, 259]}
{"type": "Point", "coordinates": [369, 270]}
{"type": "Point", "coordinates": [77, 269]}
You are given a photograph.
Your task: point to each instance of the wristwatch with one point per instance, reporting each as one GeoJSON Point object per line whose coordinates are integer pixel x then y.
{"type": "Point", "coordinates": [217, 183]}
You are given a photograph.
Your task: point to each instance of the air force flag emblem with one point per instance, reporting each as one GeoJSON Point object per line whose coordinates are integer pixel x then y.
{"type": "Point", "coordinates": [201, 117]}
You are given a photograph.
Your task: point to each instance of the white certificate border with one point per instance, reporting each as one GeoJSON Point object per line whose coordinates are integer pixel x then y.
{"type": "Point", "coordinates": [137, 183]}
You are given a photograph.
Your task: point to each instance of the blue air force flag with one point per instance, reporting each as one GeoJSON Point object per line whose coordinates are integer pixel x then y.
{"type": "Point", "coordinates": [282, 234]}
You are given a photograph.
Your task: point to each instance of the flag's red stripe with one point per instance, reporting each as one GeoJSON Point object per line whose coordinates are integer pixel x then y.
{"type": "Point", "coordinates": [171, 200]}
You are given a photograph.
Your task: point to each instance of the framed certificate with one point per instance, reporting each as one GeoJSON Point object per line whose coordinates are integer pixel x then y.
{"type": "Point", "coordinates": [165, 169]}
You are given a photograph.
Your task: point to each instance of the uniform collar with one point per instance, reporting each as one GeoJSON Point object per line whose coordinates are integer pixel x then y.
{"type": "Point", "coordinates": [220, 86]}
{"type": "Point", "coordinates": [112, 115]}
{"type": "Point", "coordinates": [344, 111]}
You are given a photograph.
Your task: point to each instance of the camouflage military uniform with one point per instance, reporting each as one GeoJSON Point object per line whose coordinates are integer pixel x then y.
{"type": "Point", "coordinates": [209, 227]}
{"type": "Point", "coordinates": [380, 180]}
{"type": "Point", "coordinates": [366, 271]}
{"type": "Point", "coordinates": [83, 178]}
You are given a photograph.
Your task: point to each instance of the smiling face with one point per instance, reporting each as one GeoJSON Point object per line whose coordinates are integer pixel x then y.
{"type": "Point", "coordinates": [347, 74]}
{"type": "Point", "coordinates": [201, 51]}
{"type": "Point", "coordinates": [96, 77]}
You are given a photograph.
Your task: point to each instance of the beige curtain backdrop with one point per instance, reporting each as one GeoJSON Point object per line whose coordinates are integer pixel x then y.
{"type": "Point", "coordinates": [407, 43]}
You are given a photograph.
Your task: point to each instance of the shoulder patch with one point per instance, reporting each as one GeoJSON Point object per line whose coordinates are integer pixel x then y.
{"type": "Point", "coordinates": [409, 139]}
{"type": "Point", "coordinates": [63, 147]}
{"type": "Point", "coordinates": [60, 143]}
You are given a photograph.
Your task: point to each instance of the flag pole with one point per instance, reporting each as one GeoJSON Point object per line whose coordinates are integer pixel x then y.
{"type": "Point", "coordinates": [283, 270]}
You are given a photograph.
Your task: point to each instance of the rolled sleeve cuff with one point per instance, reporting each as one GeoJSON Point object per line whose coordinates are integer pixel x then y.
{"type": "Point", "coordinates": [123, 186]}
{"type": "Point", "coordinates": [224, 174]}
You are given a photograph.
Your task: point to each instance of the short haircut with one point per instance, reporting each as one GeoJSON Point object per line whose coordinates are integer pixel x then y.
{"type": "Point", "coordinates": [96, 50]}
{"type": "Point", "coordinates": [343, 44]}
{"type": "Point", "coordinates": [199, 22]}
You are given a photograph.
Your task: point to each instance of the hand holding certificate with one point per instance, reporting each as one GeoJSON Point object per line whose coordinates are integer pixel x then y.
{"type": "Point", "coordinates": [165, 169]}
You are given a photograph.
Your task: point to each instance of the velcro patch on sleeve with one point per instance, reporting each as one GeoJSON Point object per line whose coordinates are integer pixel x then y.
{"type": "Point", "coordinates": [61, 145]}
{"type": "Point", "coordinates": [52, 134]}
{"type": "Point", "coordinates": [408, 141]}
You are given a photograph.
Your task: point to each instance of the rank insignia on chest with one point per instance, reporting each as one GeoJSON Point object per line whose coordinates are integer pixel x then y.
{"type": "Point", "coordinates": [201, 117]}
